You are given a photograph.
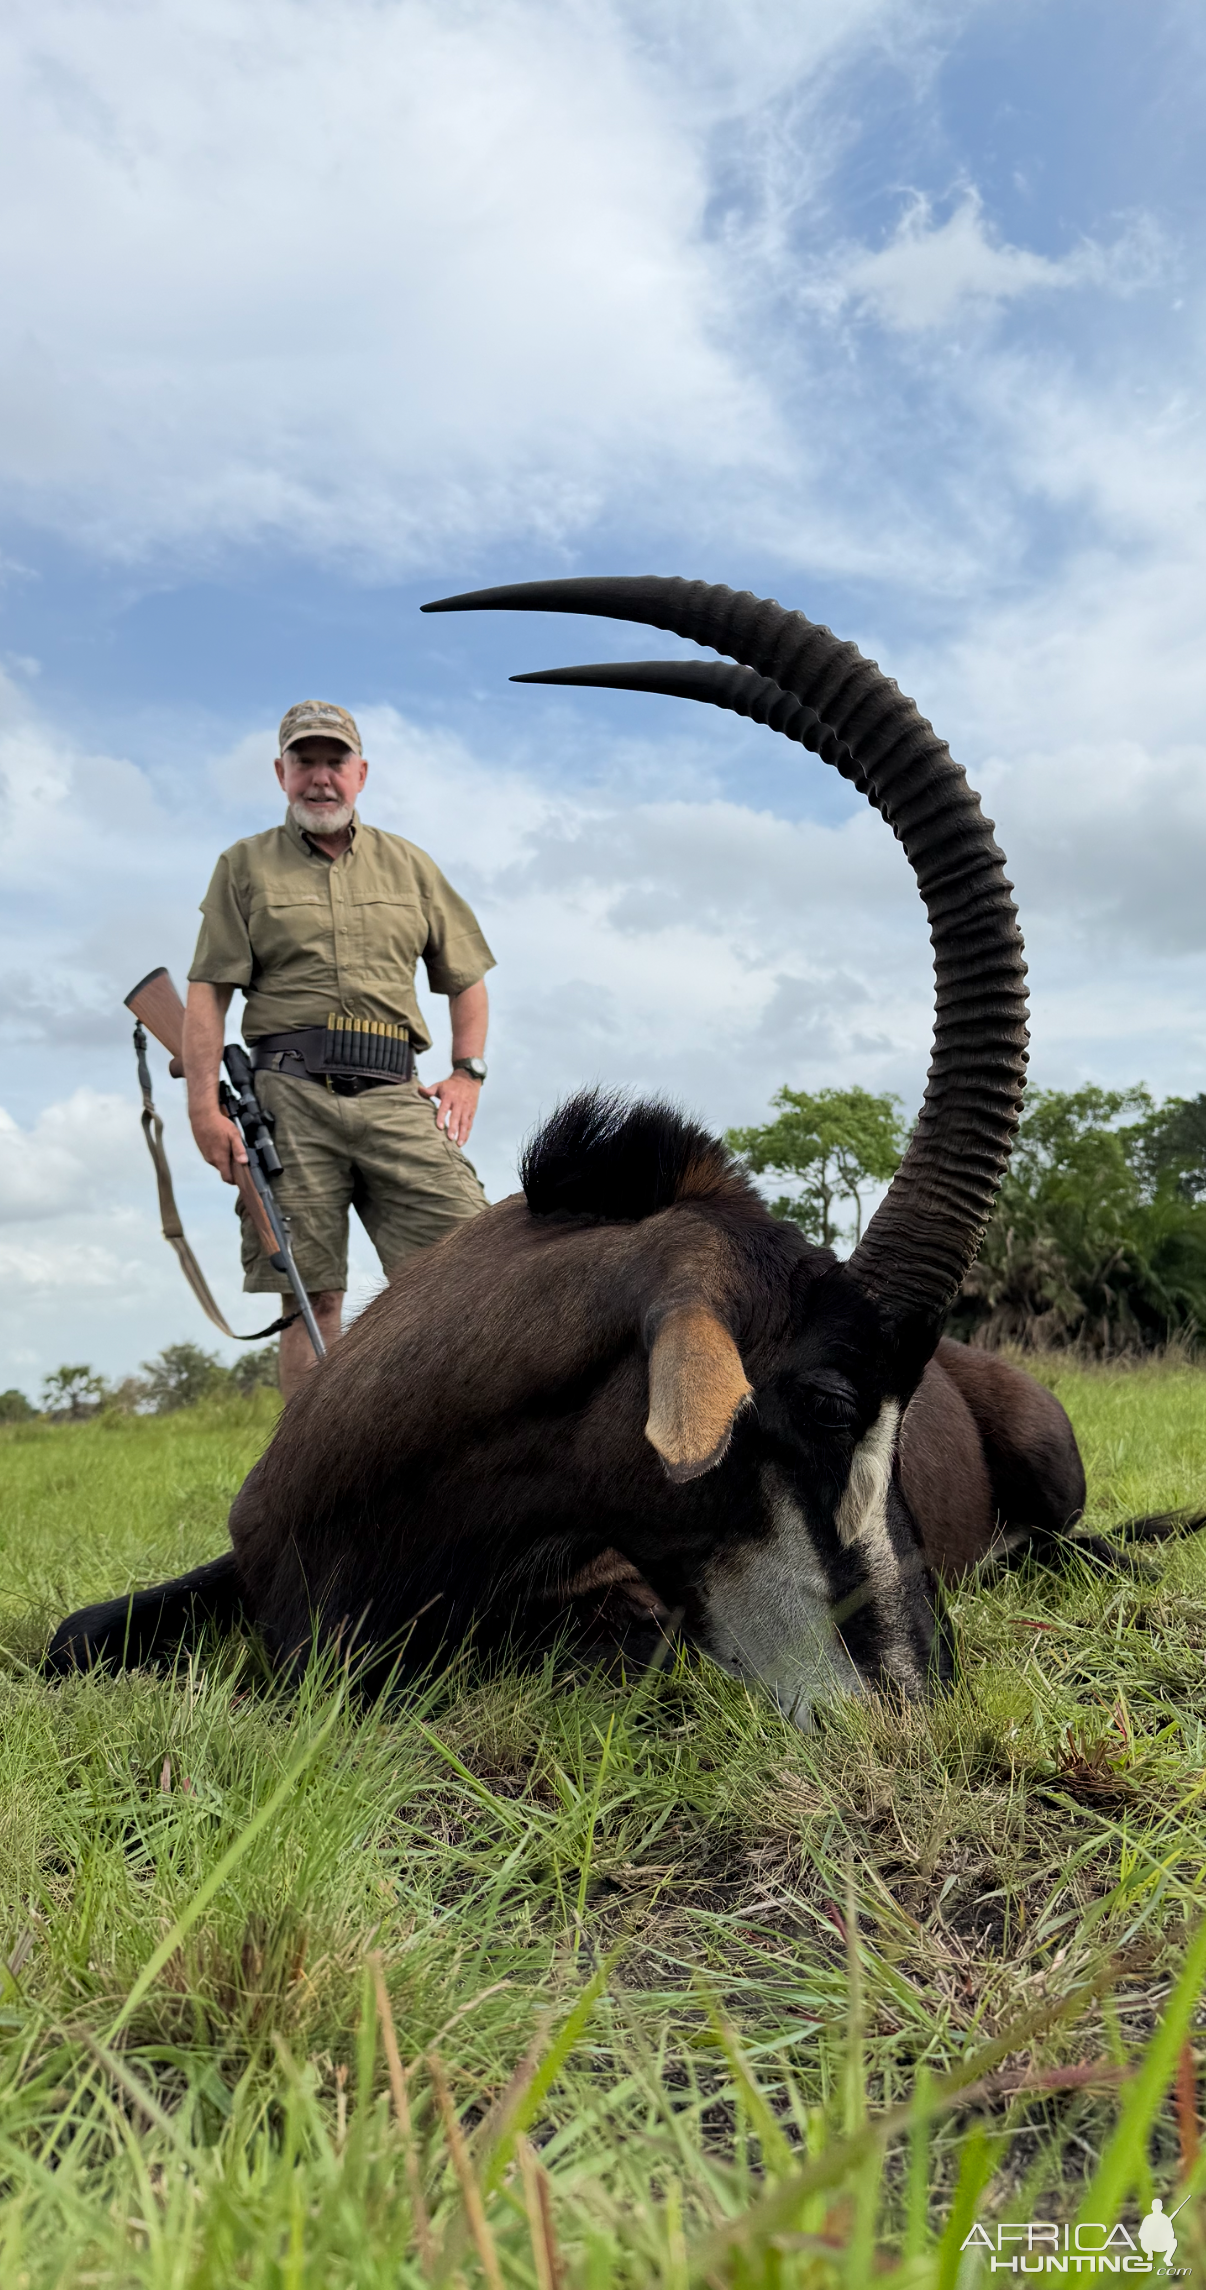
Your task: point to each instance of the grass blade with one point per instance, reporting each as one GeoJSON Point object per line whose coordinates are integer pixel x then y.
{"type": "Point", "coordinates": [471, 2193]}
{"type": "Point", "coordinates": [397, 2084]}
{"type": "Point", "coordinates": [1125, 2156]}
{"type": "Point", "coordinates": [224, 1868]}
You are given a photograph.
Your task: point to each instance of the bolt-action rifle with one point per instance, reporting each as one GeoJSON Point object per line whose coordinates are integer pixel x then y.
{"type": "Point", "coordinates": [241, 1105]}
{"type": "Point", "coordinates": [157, 1007]}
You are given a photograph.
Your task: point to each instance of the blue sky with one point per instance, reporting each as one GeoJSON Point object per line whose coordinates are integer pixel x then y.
{"type": "Point", "coordinates": [314, 312]}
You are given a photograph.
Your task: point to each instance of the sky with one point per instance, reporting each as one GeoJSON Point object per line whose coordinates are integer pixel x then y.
{"type": "Point", "coordinates": [316, 310]}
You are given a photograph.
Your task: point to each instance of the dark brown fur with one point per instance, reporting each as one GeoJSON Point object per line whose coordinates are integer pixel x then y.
{"type": "Point", "coordinates": [988, 1459]}
{"type": "Point", "coordinates": [492, 1403]}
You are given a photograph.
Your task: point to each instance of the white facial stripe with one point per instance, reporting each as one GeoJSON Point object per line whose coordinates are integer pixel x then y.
{"type": "Point", "coordinates": [862, 1518]}
{"type": "Point", "coordinates": [862, 1514]}
{"type": "Point", "coordinates": [767, 1606]}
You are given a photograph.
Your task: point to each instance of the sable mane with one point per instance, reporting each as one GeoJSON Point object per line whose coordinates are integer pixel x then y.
{"type": "Point", "coordinates": [599, 1156]}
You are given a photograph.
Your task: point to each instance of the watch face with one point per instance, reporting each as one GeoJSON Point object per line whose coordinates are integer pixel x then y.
{"type": "Point", "coordinates": [473, 1066]}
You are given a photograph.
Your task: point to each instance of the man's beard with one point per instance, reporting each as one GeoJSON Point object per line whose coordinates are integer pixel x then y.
{"type": "Point", "coordinates": [322, 818]}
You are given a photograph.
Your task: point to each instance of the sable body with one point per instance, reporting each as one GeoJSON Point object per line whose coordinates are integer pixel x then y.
{"type": "Point", "coordinates": [498, 1475]}
{"type": "Point", "coordinates": [467, 1487]}
{"type": "Point", "coordinates": [476, 1485]}
{"type": "Point", "coordinates": [988, 1461]}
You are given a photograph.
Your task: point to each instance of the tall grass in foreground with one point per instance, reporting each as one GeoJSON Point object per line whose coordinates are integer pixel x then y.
{"type": "Point", "coordinates": [553, 1980]}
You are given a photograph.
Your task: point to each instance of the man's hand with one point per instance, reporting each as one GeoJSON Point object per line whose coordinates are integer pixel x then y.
{"type": "Point", "coordinates": [456, 1104]}
{"type": "Point", "coordinates": [219, 1142]}
{"type": "Point", "coordinates": [456, 1098]}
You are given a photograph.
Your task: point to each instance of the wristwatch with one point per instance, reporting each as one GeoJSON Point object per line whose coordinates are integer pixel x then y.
{"type": "Point", "coordinates": [474, 1067]}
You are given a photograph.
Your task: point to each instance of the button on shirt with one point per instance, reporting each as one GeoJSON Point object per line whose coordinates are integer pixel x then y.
{"type": "Point", "coordinates": [304, 935]}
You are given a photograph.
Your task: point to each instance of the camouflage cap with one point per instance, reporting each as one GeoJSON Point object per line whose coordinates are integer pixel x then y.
{"type": "Point", "coordinates": [318, 719]}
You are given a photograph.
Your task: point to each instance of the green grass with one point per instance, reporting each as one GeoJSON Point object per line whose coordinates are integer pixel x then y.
{"type": "Point", "coordinates": [679, 1996]}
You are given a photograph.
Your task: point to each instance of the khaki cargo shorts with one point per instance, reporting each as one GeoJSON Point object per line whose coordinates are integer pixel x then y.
{"type": "Point", "coordinates": [379, 1153]}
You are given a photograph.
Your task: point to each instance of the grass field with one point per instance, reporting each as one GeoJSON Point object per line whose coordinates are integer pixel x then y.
{"type": "Point", "coordinates": [558, 1981]}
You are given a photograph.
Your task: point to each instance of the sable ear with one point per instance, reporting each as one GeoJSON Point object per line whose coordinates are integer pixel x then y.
{"type": "Point", "coordinates": [696, 1386]}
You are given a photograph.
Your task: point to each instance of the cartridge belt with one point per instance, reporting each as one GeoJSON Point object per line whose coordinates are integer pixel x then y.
{"type": "Point", "coordinates": [346, 1055]}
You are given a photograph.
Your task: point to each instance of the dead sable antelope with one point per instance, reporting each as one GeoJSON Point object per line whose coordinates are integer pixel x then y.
{"type": "Point", "coordinates": [633, 1357]}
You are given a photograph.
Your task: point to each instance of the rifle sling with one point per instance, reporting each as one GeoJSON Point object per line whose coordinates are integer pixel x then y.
{"type": "Point", "coordinates": [169, 1214]}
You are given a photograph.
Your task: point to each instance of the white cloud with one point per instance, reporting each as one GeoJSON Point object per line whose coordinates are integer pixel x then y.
{"type": "Point", "coordinates": [381, 282]}
{"type": "Point", "coordinates": [46, 1272]}
{"type": "Point", "coordinates": [929, 272]}
{"type": "Point", "coordinates": [357, 274]}
{"type": "Point", "coordinates": [1127, 449]}
{"type": "Point", "coordinates": [542, 269]}
{"type": "Point", "coordinates": [67, 1160]}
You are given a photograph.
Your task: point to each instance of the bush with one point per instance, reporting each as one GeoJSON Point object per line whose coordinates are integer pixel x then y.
{"type": "Point", "coordinates": [257, 1371]}
{"type": "Point", "coordinates": [129, 1397]}
{"type": "Point", "coordinates": [72, 1394]}
{"type": "Point", "coordinates": [14, 1407]}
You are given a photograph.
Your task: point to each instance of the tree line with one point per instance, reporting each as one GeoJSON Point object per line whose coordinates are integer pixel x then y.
{"type": "Point", "coordinates": [179, 1376]}
{"type": "Point", "coordinates": [1098, 1238]}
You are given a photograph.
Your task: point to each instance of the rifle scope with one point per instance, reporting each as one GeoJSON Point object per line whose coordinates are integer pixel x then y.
{"type": "Point", "coordinates": [255, 1124]}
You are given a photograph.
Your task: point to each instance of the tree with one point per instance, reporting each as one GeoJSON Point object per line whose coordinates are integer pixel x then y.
{"type": "Point", "coordinates": [73, 1393]}
{"type": "Point", "coordinates": [180, 1375]}
{"type": "Point", "coordinates": [257, 1371]}
{"type": "Point", "coordinates": [831, 1144]}
{"type": "Point", "coordinates": [1096, 1238]}
{"type": "Point", "coordinates": [1170, 1147]}
{"type": "Point", "coordinates": [14, 1407]}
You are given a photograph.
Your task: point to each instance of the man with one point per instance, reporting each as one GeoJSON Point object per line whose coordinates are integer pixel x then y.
{"type": "Point", "coordinates": [320, 922]}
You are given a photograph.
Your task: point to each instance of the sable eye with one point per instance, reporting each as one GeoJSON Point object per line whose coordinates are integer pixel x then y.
{"type": "Point", "coordinates": [832, 1405]}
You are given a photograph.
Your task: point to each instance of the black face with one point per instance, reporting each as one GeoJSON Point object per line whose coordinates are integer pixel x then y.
{"type": "Point", "coordinates": [819, 1580]}
{"type": "Point", "coordinates": [834, 1373]}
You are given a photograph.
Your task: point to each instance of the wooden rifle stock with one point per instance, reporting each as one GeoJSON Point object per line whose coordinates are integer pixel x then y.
{"type": "Point", "coordinates": [157, 1006]}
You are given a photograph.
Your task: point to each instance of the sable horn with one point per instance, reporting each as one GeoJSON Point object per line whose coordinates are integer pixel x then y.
{"type": "Point", "coordinates": [805, 682]}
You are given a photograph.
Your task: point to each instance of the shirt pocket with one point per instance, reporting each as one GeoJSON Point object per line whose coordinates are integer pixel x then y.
{"type": "Point", "coordinates": [292, 934]}
{"type": "Point", "coordinates": [392, 934]}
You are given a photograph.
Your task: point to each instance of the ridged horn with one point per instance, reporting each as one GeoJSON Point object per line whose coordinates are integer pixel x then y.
{"type": "Point", "coordinates": [925, 1234]}
{"type": "Point", "coordinates": [740, 689]}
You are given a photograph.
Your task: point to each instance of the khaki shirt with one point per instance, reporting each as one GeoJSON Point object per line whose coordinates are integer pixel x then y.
{"type": "Point", "coordinates": [304, 935]}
